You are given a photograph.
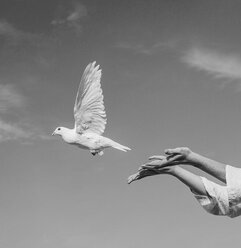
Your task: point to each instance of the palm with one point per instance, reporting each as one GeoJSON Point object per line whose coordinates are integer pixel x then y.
{"type": "Point", "coordinates": [174, 157]}
{"type": "Point", "coordinates": [180, 153]}
{"type": "Point", "coordinates": [142, 172]}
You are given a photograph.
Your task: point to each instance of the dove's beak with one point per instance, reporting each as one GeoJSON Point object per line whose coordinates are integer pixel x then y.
{"type": "Point", "coordinates": [53, 133]}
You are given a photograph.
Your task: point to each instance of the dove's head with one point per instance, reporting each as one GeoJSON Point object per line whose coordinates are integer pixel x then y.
{"type": "Point", "coordinates": [59, 131]}
{"type": "Point", "coordinates": [68, 135]}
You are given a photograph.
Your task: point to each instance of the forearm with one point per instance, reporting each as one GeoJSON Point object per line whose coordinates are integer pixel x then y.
{"type": "Point", "coordinates": [193, 181]}
{"type": "Point", "coordinates": [210, 166]}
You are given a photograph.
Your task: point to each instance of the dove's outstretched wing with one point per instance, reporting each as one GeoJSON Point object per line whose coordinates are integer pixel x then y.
{"type": "Point", "coordinates": [89, 109]}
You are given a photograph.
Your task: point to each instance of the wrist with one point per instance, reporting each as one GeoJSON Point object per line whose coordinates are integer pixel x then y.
{"type": "Point", "coordinates": [173, 170]}
{"type": "Point", "coordinates": [192, 157]}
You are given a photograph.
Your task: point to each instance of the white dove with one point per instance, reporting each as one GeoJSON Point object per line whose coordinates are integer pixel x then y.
{"type": "Point", "coordinates": [90, 116]}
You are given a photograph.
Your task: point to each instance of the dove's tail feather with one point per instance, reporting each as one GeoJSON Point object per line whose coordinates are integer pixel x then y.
{"type": "Point", "coordinates": [119, 146]}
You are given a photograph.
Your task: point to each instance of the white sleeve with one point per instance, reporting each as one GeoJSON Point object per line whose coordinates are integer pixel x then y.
{"type": "Point", "coordinates": [216, 200]}
{"type": "Point", "coordinates": [223, 200]}
{"type": "Point", "coordinates": [233, 179]}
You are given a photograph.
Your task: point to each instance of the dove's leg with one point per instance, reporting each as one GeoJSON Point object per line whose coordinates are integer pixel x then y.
{"type": "Point", "coordinates": [93, 152]}
{"type": "Point", "coordinates": [100, 152]}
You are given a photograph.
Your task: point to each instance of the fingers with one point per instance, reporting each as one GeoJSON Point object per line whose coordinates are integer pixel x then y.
{"type": "Point", "coordinates": [159, 164]}
{"type": "Point", "coordinates": [148, 167]}
{"type": "Point", "coordinates": [141, 174]}
{"type": "Point", "coordinates": [157, 157]}
{"type": "Point", "coordinates": [132, 178]}
{"type": "Point", "coordinates": [163, 161]}
{"type": "Point", "coordinates": [173, 151]}
{"type": "Point", "coordinates": [144, 167]}
{"type": "Point", "coordinates": [155, 164]}
{"type": "Point", "coordinates": [135, 177]}
{"type": "Point", "coordinates": [140, 168]}
{"type": "Point", "coordinates": [178, 150]}
{"type": "Point", "coordinates": [172, 154]}
{"type": "Point", "coordinates": [174, 157]}
{"type": "Point", "coordinates": [152, 168]}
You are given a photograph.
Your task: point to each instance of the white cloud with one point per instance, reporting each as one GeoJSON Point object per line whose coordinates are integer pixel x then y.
{"type": "Point", "coordinates": [8, 30]}
{"type": "Point", "coordinates": [10, 98]}
{"type": "Point", "coordinates": [139, 48]}
{"type": "Point", "coordinates": [219, 65]}
{"type": "Point", "coordinates": [16, 36]}
{"type": "Point", "coordinates": [9, 131]}
{"type": "Point", "coordinates": [71, 17]}
{"type": "Point", "coordinates": [79, 11]}
{"type": "Point", "coordinates": [20, 131]}
{"type": "Point", "coordinates": [12, 106]}
{"type": "Point", "coordinates": [22, 51]}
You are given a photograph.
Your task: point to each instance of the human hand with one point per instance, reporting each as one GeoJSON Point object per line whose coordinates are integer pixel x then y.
{"type": "Point", "coordinates": [146, 172]}
{"type": "Point", "coordinates": [156, 162]}
{"type": "Point", "coordinates": [180, 155]}
{"type": "Point", "coordinates": [141, 174]}
{"type": "Point", "coordinates": [159, 164]}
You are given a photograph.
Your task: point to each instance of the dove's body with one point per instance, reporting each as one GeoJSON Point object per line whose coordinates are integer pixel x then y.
{"type": "Point", "coordinates": [90, 116]}
{"type": "Point", "coordinates": [89, 141]}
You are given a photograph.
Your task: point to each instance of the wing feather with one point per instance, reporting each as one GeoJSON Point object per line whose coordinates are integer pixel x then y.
{"type": "Point", "coordinates": [89, 109]}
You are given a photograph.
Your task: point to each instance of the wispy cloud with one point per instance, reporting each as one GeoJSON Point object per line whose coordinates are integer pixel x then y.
{"type": "Point", "coordinates": [10, 98]}
{"type": "Point", "coordinates": [219, 65]}
{"type": "Point", "coordinates": [15, 36]}
{"type": "Point", "coordinates": [12, 104]}
{"type": "Point", "coordinates": [71, 16]}
{"type": "Point", "coordinates": [35, 49]}
{"type": "Point", "coordinates": [25, 49]}
{"type": "Point", "coordinates": [139, 48]}
{"type": "Point", "coordinates": [11, 131]}
{"type": "Point", "coordinates": [20, 131]}
{"type": "Point", "coordinates": [9, 31]}
{"type": "Point", "coordinates": [24, 57]}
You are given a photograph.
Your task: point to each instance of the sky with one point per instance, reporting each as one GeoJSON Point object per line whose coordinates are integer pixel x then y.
{"type": "Point", "coordinates": [171, 77]}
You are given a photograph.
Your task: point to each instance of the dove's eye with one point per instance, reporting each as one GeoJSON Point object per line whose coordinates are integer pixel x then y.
{"type": "Point", "coordinates": [59, 129]}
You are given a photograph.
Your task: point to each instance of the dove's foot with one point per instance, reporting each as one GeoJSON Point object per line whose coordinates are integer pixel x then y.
{"type": "Point", "coordinates": [93, 152]}
{"type": "Point", "coordinates": [100, 153]}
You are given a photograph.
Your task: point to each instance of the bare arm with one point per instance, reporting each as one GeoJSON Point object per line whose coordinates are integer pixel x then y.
{"type": "Point", "coordinates": [184, 155]}
{"type": "Point", "coordinates": [210, 166]}
{"type": "Point", "coordinates": [191, 180]}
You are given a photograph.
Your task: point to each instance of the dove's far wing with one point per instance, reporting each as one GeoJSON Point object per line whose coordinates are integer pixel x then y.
{"type": "Point", "coordinates": [89, 109]}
